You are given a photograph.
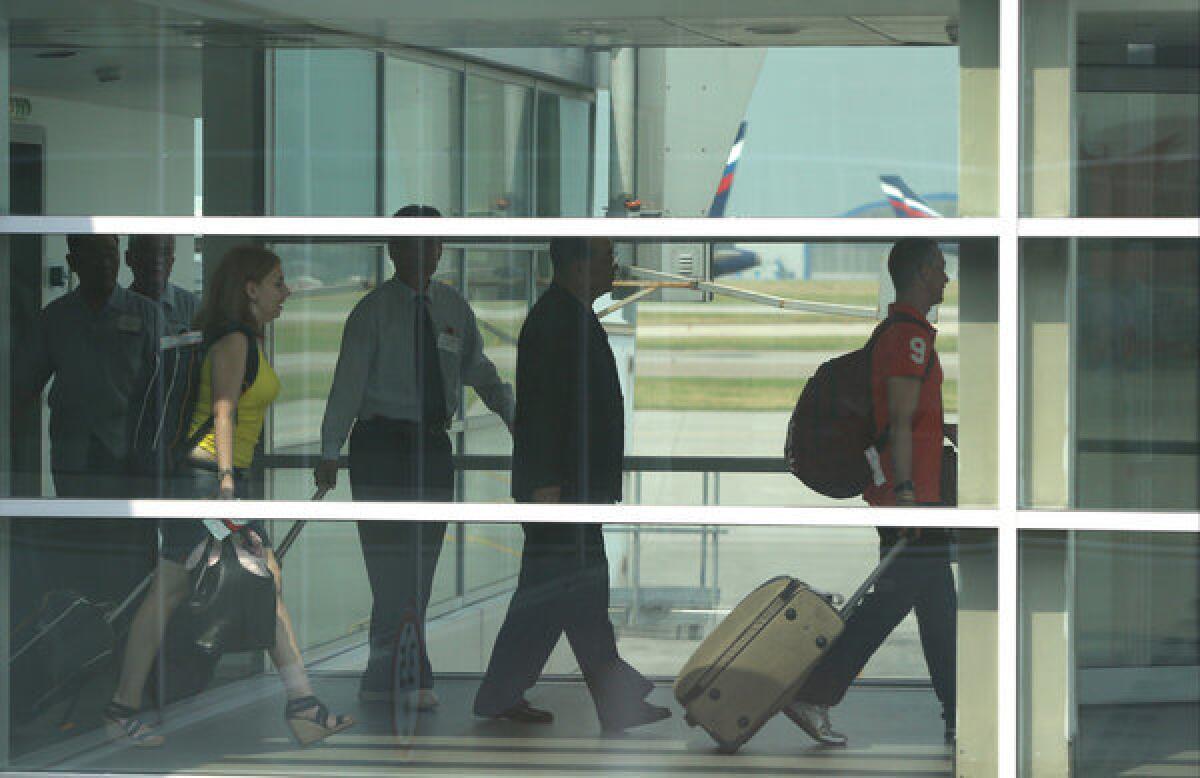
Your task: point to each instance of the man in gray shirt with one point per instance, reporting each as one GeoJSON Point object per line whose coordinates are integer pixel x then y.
{"type": "Point", "coordinates": [99, 343]}
{"type": "Point", "coordinates": [150, 258]}
{"type": "Point", "coordinates": [407, 350]}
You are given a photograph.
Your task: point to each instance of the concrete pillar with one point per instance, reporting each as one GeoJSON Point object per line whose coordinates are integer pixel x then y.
{"type": "Point", "coordinates": [234, 110]}
{"type": "Point", "coordinates": [979, 89]}
{"type": "Point", "coordinates": [1046, 708]}
{"type": "Point", "coordinates": [1048, 62]}
{"type": "Point", "coordinates": [975, 750]}
{"type": "Point", "coordinates": [1046, 366]}
{"type": "Point", "coordinates": [978, 99]}
{"type": "Point", "coordinates": [623, 151]}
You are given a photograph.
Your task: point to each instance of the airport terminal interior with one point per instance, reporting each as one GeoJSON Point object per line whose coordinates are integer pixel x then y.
{"type": "Point", "coordinates": [789, 138]}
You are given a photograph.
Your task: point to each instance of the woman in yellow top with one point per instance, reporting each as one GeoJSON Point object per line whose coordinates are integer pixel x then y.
{"type": "Point", "coordinates": [237, 386]}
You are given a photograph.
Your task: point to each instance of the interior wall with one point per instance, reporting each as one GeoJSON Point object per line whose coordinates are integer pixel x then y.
{"type": "Point", "coordinates": [108, 160]}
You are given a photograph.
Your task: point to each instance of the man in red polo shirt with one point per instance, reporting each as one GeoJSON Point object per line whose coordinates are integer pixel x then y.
{"type": "Point", "coordinates": [906, 385]}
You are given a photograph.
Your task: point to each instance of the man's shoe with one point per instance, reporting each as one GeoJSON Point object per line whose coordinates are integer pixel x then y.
{"type": "Point", "coordinates": [644, 713]}
{"type": "Point", "coordinates": [524, 713]}
{"type": "Point", "coordinates": [814, 720]}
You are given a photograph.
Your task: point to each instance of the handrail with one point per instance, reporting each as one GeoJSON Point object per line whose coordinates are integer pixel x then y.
{"type": "Point", "coordinates": [632, 464]}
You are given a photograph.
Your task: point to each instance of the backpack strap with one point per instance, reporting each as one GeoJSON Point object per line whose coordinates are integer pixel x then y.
{"type": "Point", "coordinates": [248, 378]}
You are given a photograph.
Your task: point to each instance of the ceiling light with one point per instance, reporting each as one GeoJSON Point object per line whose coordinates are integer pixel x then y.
{"type": "Point", "coordinates": [56, 54]}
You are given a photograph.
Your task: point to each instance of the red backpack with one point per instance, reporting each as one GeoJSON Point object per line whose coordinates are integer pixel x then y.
{"type": "Point", "coordinates": [833, 423]}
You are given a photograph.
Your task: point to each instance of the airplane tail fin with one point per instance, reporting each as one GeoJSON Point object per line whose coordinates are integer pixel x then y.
{"type": "Point", "coordinates": [906, 203]}
{"type": "Point", "coordinates": [725, 186]}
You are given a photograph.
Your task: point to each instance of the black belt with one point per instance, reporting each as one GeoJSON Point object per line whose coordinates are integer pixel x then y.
{"type": "Point", "coordinates": [407, 425]}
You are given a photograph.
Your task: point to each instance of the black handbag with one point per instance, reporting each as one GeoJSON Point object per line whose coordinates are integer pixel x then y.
{"type": "Point", "coordinates": [230, 608]}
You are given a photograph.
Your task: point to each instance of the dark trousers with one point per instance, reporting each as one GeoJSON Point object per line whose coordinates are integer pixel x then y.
{"type": "Point", "coordinates": [395, 460]}
{"type": "Point", "coordinates": [562, 588]}
{"type": "Point", "coordinates": [919, 580]}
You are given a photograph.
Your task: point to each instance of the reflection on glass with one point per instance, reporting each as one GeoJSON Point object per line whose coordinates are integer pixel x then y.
{"type": "Point", "coordinates": [668, 589]}
{"type": "Point", "coordinates": [1111, 646]}
{"type": "Point", "coordinates": [327, 281]}
{"type": "Point", "coordinates": [422, 137]}
{"type": "Point", "coordinates": [1110, 110]}
{"type": "Point", "coordinates": [325, 143]}
{"type": "Point", "coordinates": [499, 123]}
{"type": "Point", "coordinates": [1138, 375]}
{"type": "Point", "coordinates": [703, 375]}
{"type": "Point", "coordinates": [563, 156]}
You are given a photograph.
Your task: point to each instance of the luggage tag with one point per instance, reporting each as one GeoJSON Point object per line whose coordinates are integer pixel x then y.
{"type": "Point", "coordinates": [876, 465]}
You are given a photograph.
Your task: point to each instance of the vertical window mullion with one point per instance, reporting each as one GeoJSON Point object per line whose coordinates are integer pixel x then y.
{"type": "Point", "coordinates": [1007, 180]}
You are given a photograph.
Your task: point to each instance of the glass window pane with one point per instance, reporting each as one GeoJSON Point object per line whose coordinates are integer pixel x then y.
{"type": "Point", "coordinates": [563, 156]}
{"type": "Point", "coordinates": [655, 593]}
{"type": "Point", "coordinates": [1109, 646]}
{"type": "Point", "coordinates": [1110, 111]}
{"type": "Point", "coordinates": [326, 137]}
{"type": "Point", "coordinates": [199, 108]}
{"type": "Point", "coordinates": [423, 149]}
{"type": "Point", "coordinates": [1111, 374]}
{"type": "Point", "coordinates": [499, 126]}
{"type": "Point", "coordinates": [708, 375]}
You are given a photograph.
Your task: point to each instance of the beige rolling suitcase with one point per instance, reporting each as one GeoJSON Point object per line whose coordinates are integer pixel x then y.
{"type": "Point", "coordinates": [755, 661]}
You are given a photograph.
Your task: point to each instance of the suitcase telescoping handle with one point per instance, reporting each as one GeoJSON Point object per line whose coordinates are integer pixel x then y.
{"type": "Point", "coordinates": [857, 598]}
{"type": "Point", "coordinates": [294, 532]}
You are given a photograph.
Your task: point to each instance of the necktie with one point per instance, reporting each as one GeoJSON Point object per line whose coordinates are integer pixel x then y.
{"type": "Point", "coordinates": [429, 369]}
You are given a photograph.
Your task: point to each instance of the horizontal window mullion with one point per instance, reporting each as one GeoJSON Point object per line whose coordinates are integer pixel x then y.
{"type": "Point", "coordinates": [859, 515]}
{"type": "Point", "coordinates": [1108, 228]}
{"type": "Point", "coordinates": [677, 229]}
{"type": "Point", "coordinates": [731, 515]}
{"type": "Point", "coordinates": [1108, 521]}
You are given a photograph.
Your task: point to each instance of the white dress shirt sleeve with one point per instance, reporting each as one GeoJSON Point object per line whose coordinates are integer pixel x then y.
{"type": "Point", "coordinates": [359, 339]}
{"type": "Point", "coordinates": [480, 373]}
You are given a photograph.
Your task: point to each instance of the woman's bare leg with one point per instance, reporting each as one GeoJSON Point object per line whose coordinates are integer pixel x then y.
{"type": "Point", "coordinates": [166, 592]}
{"type": "Point", "coordinates": [286, 654]}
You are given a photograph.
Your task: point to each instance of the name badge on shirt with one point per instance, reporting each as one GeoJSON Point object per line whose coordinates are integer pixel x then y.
{"type": "Point", "coordinates": [128, 324]}
{"type": "Point", "coordinates": [448, 341]}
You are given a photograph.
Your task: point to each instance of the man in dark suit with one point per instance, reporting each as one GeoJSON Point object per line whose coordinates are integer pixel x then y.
{"type": "Point", "coordinates": [568, 448]}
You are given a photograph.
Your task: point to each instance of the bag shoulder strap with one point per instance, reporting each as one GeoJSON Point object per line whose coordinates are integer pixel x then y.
{"type": "Point", "coordinates": [248, 378]}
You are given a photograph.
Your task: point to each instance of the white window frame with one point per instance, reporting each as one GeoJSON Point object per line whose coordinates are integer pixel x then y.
{"type": "Point", "coordinates": [1008, 227]}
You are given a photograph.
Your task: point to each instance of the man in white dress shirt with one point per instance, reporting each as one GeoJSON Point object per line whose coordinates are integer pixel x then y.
{"type": "Point", "coordinates": [407, 349]}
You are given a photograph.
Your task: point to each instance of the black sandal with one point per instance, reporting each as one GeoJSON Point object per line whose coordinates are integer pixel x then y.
{"type": "Point", "coordinates": [308, 730]}
{"type": "Point", "coordinates": [123, 723]}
